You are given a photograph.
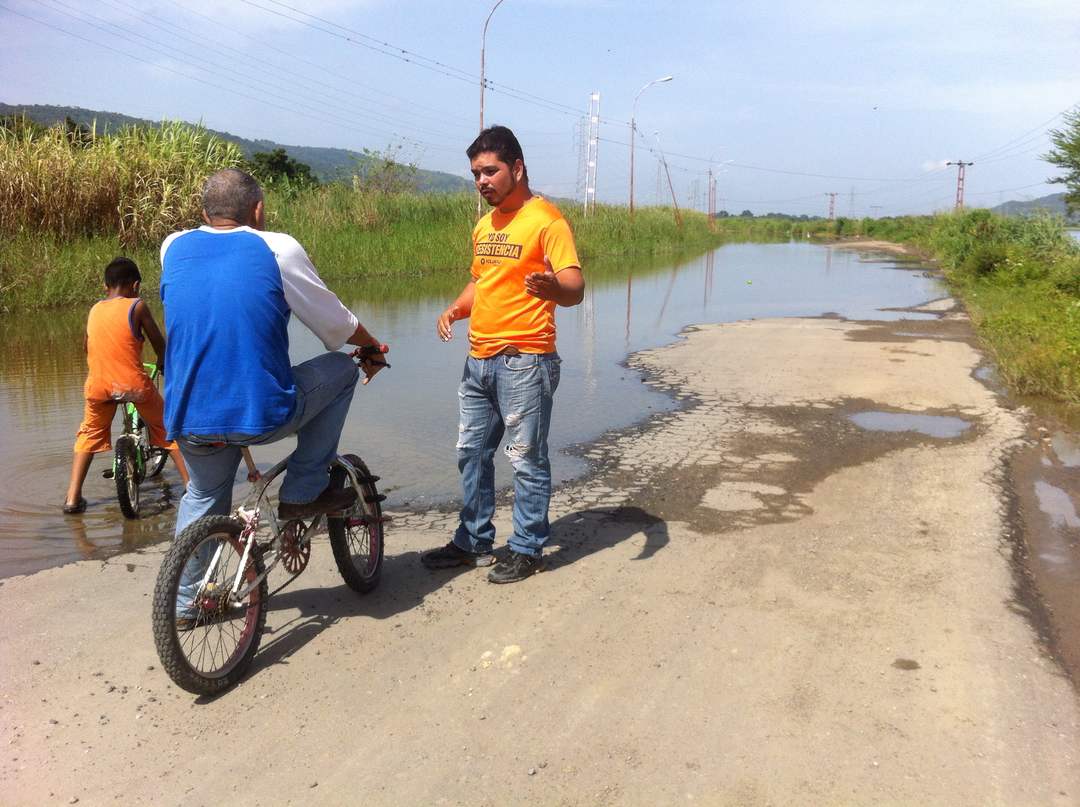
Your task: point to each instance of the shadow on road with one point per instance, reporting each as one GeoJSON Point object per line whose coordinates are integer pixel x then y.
{"type": "Point", "coordinates": [579, 534]}
{"type": "Point", "coordinates": [405, 583]}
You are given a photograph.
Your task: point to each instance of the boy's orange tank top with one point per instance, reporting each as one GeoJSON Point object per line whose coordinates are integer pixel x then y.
{"type": "Point", "coordinates": [114, 352]}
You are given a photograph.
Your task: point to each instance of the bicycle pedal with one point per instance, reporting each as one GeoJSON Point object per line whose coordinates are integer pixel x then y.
{"type": "Point", "coordinates": [107, 473]}
{"type": "Point", "coordinates": [378, 497]}
{"type": "Point", "coordinates": [368, 480]}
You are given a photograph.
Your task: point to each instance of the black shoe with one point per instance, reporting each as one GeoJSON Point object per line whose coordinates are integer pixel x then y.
{"type": "Point", "coordinates": [516, 567]}
{"type": "Point", "coordinates": [451, 555]}
{"type": "Point", "coordinates": [329, 501]}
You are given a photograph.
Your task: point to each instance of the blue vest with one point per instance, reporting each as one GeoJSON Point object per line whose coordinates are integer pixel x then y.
{"type": "Point", "coordinates": [227, 368]}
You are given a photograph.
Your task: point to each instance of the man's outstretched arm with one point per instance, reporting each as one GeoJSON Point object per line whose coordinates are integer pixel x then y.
{"type": "Point", "coordinates": [461, 308]}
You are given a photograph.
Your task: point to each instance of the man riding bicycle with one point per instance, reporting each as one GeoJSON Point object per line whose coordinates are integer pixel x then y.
{"type": "Point", "coordinates": [229, 289]}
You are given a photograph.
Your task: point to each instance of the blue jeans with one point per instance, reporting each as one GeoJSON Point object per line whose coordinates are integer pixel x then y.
{"type": "Point", "coordinates": [324, 390]}
{"type": "Point", "coordinates": [512, 394]}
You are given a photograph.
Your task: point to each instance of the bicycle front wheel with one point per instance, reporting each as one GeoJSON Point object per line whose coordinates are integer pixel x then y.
{"type": "Point", "coordinates": [357, 539]}
{"type": "Point", "coordinates": [126, 476]}
{"type": "Point", "coordinates": [206, 635]}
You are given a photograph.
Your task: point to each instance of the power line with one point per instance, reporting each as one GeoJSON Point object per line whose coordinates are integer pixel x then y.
{"type": "Point", "coordinates": [200, 61]}
{"type": "Point", "coordinates": [402, 54]}
{"type": "Point", "coordinates": [232, 91]}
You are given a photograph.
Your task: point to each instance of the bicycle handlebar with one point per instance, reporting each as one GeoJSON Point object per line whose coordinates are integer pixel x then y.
{"type": "Point", "coordinates": [367, 353]}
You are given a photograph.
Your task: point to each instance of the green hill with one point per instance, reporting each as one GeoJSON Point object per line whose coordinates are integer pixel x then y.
{"type": "Point", "coordinates": [328, 164]}
{"type": "Point", "coordinates": [1054, 203]}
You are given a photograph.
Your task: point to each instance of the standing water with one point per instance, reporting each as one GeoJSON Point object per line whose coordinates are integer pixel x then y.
{"type": "Point", "coordinates": [404, 424]}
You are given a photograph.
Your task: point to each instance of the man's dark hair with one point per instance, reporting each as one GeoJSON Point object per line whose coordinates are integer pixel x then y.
{"type": "Point", "coordinates": [230, 194]}
{"type": "Point", "coordinates": [121, 272]}
{"type": "Point", "coordinates": [501, 142]}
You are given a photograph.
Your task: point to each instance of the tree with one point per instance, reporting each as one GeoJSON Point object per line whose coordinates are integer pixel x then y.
{"type": "Point", "coordinates": [746, 214]}
{"type": "Point", "coordinates": [1066, 155]}
{"type": "Point", "coordinates": [277, 169]}
{"type": "Point", "coordinates": [381, 172]}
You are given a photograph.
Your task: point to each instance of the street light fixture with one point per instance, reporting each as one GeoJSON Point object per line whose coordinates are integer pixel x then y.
{"type": "Point", "coordinates": [483, 44]}
{"type": "Point", "coordinates": [633, 132]}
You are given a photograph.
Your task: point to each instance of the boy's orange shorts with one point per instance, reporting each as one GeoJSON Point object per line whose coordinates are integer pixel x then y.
{"type": "Point", "coordinates": [95, 431]}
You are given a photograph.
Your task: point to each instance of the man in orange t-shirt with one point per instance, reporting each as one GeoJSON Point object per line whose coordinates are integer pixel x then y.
{"type": "Point", "coordinates": [524, 264]}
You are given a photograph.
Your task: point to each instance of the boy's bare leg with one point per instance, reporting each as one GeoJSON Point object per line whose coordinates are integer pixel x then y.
{"type": "Point", "coordinates": [80, 466]}
{"type": "Point", "coordinates": [178, 461]}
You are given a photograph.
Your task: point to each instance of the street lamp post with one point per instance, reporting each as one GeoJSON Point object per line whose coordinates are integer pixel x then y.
{"type": "Point", "coordinates": [633, 132]}
{"type": "Point", "coordinates": [483, 44]}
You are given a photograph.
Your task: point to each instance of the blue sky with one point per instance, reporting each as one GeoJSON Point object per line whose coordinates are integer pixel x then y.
{"type": "Point", "coordinates": [789, 100]}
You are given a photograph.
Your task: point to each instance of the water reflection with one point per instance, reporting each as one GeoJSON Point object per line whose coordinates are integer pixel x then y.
{"type": "Point", "coordinates": [405, 422]}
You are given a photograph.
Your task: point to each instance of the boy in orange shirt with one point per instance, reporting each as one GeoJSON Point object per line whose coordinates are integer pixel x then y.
{"type": "Point", "coordinates": [115, 331]}
{"type": "Point", "coordinates": [524, 265]}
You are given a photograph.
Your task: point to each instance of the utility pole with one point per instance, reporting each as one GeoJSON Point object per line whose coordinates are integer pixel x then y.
{"type": "Point", "coordinates": [874, 211]}
{"type": "Point", "coordinates": [832, 205]}
{"type": "Point", "coordinates": [671, 187]}
{"type": "Point", "coordinates": [712, 202]}
{"type": "Point", "coordinates": [633, 132]}
{"type": "Point", "coordinates": [960, 166]}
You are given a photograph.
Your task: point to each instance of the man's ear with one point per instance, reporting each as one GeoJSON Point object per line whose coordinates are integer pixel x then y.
{"type": "Point", "coordinates": [519, 170]}
{"type": "Point", "coordinates": [258, 216]}
{"type": "Point", "coordinates": [205, 217]}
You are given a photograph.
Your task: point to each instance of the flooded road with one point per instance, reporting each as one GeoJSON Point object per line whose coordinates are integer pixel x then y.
{"type": "Point", "coordinates": [404, 424]}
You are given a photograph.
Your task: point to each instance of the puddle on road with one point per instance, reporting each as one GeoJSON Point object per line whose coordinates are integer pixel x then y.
{"type": "Point", "coordinates": [1067, 449]}
{"type": "Point", "coordinates": [940, 426]}
{"type": "Point", "coordinates": [1057, 505]}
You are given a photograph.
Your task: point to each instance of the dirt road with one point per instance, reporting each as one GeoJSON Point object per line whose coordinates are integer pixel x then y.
{"type": "Point", "coordinates": [753, 600]}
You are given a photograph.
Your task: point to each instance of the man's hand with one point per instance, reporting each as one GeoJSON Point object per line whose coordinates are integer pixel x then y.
{"type": "Point", "coordinates": [544, 285]}
{"type": "Point", "coordinates": [371, 359]}
{"type": "Point", "coordinates": [443, 326]}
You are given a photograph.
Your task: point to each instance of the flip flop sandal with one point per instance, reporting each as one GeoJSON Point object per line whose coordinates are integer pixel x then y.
{"type": "Point", "coordinates": [75, 509]}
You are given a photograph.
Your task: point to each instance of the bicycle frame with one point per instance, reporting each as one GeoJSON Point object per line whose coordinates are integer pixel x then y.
{"type": "Point", "coordinates": [249, 514]}
{"type": "Point", "coordinates": [132, 422]}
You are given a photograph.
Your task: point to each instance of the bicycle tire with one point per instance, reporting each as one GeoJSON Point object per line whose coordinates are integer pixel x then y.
{"type": "Point", "coordinates": [126, 476]}
{"type": "Point", "coordinates": [175, 644]}
{"type": "Point", "coordinates": [357, 541]}
{"type": "Point", "coordinates": [154, 456]}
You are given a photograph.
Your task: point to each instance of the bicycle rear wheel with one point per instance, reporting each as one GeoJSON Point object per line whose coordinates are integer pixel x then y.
{"type": "Point", "coordinates": [357, 539]}
{"type": "Point", "coordinates": [206, 637]}
{"type": "Point", "coordinates": [126, 476]}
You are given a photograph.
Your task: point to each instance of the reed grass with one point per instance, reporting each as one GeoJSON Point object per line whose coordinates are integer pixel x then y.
{"type": "Point", "coordinates": [135, 185]}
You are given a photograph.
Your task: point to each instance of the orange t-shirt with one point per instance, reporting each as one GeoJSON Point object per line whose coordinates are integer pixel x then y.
{"type": "Point", "coordinates": [114, 352]}
{"type": "Point", "coordinates": [506, 247]}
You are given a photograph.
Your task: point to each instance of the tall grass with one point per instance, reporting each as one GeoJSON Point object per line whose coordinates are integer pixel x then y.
{"type": "Point", "coordinates": [135, 185]}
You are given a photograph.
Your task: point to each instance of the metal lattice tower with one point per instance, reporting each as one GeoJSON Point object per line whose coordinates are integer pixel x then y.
{"type": "Point", "coordinates": [592, 152]}
{"type": "Point", "coordinates": [960, 166]}
{"type": "Point", "coordinates": [832, 205]}
{"type": "Point", "coordinates": [580, 147]}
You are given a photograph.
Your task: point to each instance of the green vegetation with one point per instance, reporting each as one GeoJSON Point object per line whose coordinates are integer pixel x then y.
{"type": "Point", "coordinates": [1066, 155]}
{"type": "Point", "coordinates": [327, 164]}
{"type": "Point", "coordinates": [1020, 281]}
{"type": "Point", "coordinates": [276, 169]}
{"type": "Point", "coordinates": [71, 199]}
{"type": "Point", "coordinates": [137, 184]}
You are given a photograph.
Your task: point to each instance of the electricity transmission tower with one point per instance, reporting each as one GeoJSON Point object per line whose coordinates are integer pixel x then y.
{"type": "Point", "coordinates": [592, 145]}
{"type": "Point", "coordinates": [960, 166]}
{"type": "Point", "coordinates": [832, 205]}
{"type": "Point", "coordinates": [712, 201]}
